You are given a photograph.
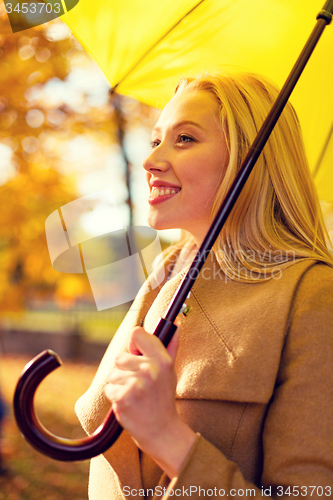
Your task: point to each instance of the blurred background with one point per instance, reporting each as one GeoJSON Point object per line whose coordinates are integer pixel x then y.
{"type": "Point", "coordinates": [62, 136]}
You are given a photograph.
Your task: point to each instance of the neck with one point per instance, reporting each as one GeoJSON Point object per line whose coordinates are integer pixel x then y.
{"type": "Point", "coordinates": [185, 258]}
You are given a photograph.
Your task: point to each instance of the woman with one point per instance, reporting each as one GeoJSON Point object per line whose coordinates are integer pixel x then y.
{"type": "Point", "coordinates": [243, 405]}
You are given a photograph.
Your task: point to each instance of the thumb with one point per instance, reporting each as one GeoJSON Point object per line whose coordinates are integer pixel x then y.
{"type": "Point", "coordinates": [146, 344]}
{"type": "Point", "coordinates": [142, 342]}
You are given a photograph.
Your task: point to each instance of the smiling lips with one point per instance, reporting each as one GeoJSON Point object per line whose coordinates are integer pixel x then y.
{"type": "Point", "coordinates": [161, 193]}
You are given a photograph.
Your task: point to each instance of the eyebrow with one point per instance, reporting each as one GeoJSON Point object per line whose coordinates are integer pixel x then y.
{"type": "Point", "coordinates": [184, 122]}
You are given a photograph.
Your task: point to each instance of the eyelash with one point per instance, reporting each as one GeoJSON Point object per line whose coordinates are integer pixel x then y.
{"type": "Point", "coordinates": [154, 144]}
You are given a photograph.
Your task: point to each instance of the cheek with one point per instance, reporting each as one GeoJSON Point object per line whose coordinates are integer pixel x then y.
{"type": "Point", "coordinates": [201, 189]}
{"type": "Point", "coordinates": [199, 200]}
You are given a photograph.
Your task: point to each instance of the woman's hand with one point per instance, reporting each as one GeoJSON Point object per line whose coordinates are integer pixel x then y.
{"type": "Point", "coordinates": [142, 388]}
{"type": "Point", "coordinates": [142, 392]}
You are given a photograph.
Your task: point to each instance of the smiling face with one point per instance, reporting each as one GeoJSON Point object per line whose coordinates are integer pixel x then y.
{"type": "Point", "coordinates": [186, 165]}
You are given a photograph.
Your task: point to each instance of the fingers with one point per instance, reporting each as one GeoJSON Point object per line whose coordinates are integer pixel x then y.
{"type": "Point", "coordinates": [128, 361]}
{"type": "Point", "coordinates": [120, 377]}
{"type": "Point", "coordinates": [122, 382]}
{"type": "Point", "coordinates": [126, 388]}
{"type": "Point", "coordinates": [141, 371]}
{"type": "Point", "coordinates": [142, 388]}
{"type": "Point", "coordinates": [122, 395]}
{"type": "Point", "coordinates": [149, 345]}
{"type": "Point", "coordinates": [144, 343]}
{"type": "Point", "coordinates": [154, 358]}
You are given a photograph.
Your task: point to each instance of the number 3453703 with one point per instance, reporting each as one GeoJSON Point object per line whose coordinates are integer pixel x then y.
{"type": "Point", "coordinates": [33, 8]}
{"type": "Point", "coordinates": [304, 491]}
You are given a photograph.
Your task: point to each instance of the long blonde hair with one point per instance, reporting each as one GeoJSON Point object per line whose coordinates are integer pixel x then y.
{"type": "Point", "coordinates": [277, 218]}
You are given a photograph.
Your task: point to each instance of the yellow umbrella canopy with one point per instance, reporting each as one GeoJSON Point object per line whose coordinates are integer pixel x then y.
{"type": "Point", "coordinates": [144, 47]}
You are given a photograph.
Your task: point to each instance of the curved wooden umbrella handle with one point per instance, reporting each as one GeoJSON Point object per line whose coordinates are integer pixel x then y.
{"type": "Point", "coordinates": [35, 433]}
{"type": "Point", "coordinates": [44, 441]}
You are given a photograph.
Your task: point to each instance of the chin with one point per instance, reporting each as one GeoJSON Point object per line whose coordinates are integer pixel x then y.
{"type": "Point", "coordinates": [159, 225]}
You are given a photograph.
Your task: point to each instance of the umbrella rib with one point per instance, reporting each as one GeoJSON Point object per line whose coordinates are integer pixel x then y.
{"type": "Point", "coordinates": [154, 45]}
{"type": "Point", "coordinates": [323, 151]}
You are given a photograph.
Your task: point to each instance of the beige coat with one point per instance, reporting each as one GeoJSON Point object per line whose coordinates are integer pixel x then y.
{"type": "Point", "coordinates": [255, 381]}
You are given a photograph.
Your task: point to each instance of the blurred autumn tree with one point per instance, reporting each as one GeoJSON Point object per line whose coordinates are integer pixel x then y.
{"type": "Point", "coordinates": [35, 125]}
{"type": "Point", "coordinates": [33, 184]}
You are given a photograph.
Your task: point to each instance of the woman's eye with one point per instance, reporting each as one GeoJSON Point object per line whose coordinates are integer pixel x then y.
{"type": "Point", "coordinates": [182, 138]}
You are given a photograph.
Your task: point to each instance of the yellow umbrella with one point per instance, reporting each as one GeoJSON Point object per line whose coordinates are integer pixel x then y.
{"type": "Point", "coordinates": [144, 46]}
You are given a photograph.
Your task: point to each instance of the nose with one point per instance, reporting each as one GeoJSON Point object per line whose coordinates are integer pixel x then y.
{"type": "Point", "coordinates": [156, 161]}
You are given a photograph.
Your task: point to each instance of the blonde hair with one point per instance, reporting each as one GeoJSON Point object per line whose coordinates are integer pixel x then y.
{"type": "Point", "coordinates": [277, 218]}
